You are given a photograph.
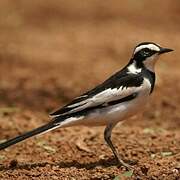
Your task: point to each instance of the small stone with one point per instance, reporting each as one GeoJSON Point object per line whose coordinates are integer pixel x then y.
{"type": "Point", "coordinates": [144, 170]}
{"type": "Point", "coordinates": [13, 163]}
{"type": "Point", "coordinates": [175, 171]}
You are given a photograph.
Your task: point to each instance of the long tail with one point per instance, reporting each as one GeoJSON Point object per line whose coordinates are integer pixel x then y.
{"type": "Point", "coordinates": [51, 125]}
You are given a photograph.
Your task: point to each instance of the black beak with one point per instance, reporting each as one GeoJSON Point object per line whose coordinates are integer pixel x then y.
{"type": "Point", "coordinates": [165, 50]}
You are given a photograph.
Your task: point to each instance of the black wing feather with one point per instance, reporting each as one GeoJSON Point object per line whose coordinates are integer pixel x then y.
{"type": "Point", "coordinates": [119, 79]}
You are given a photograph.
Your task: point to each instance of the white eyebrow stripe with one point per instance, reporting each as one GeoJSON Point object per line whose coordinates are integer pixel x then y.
{"type": "Point", "coordinates": [149, 46]}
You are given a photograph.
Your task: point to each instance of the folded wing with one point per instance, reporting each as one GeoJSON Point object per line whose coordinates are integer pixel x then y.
{"type": "Point", "coordinates": [115, 89]}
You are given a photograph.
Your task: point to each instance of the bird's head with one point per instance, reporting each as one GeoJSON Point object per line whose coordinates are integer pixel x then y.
{"type": "Point", "coordinates": [147, 53]}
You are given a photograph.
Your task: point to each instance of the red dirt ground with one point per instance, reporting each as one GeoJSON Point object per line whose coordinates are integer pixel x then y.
{"type": "Point", "coordinates": [54, 51]}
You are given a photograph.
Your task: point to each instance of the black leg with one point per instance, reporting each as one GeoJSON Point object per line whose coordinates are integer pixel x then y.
{"type": "Point", "coordinates": [107, 137]}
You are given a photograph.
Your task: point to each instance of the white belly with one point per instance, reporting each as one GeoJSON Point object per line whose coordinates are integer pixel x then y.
{"type": "Point", "coordinates": [116, 113]}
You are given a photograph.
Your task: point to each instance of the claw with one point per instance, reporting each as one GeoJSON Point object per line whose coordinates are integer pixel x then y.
{"type": "Point", "coordinates": [122, 163]}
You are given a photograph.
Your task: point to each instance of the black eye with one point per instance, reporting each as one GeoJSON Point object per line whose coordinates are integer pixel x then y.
{"type": "Point", "coordinates": [145, 52]}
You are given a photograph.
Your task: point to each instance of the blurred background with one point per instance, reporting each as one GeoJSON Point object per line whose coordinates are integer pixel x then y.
{"type": "Point", "coordinates": [54, 50]}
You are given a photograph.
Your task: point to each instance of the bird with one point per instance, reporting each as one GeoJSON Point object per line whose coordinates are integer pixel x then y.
{"type": "Point", "coordinates": [121, 96]}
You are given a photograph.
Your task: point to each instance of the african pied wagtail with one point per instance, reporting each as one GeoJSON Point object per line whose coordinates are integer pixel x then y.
{"type": "Point", "coordinates": [117, 98]}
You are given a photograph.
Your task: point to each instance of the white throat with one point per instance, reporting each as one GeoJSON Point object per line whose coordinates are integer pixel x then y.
{"type": "Point", "coordinates": [150, 62]}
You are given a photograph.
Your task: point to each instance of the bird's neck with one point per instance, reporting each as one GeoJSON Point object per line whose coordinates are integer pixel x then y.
{"type": "Point", "coordinates": [135, 67]}
{"type": "Point", "coordinates": [151, 76]}
{"type": "Point", "coordinates": [148, 64]}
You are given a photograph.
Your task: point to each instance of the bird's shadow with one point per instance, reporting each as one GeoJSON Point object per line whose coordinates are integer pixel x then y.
{"type": "Point", "coordinates": [28, 166]}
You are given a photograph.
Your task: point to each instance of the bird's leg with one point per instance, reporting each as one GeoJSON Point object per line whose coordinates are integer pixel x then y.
{"type": "Point", "coordinates": [107, 137]}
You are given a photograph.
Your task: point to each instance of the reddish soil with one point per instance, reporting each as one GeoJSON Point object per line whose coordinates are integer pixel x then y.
{"type": "Point", "coordinates": [49, 53]}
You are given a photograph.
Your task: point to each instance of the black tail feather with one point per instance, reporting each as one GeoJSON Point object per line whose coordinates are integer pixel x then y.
{"type": "Point", "coordinates": [29, 134]}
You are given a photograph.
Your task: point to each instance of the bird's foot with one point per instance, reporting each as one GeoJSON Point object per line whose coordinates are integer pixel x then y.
{"type": "Point", "coordinates": [126, 163]}
{"type": "Point", "coordinates": [121, 163]}
{"type": "Point", "coordinates": [131, 162]}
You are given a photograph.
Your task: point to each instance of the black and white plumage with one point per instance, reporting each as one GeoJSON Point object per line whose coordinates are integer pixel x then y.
{"type": "Point", "coordinates": [119, 97]}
